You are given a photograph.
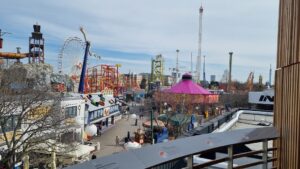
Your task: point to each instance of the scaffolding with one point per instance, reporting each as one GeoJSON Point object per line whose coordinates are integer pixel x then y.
{"type": "Point", "coordinates": [130, 82]}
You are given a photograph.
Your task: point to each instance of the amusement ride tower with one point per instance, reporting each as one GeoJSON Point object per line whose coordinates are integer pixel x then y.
{"type": "Point", "coordinates": [198, 65]}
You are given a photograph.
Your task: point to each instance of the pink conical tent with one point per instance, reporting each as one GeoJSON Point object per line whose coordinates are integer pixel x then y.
{"type": "Point", "coordinates": [186, 92]}
{"type": "Point", "coordinates": [187, 86]}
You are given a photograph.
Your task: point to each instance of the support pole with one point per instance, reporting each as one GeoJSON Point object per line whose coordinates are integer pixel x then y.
{"type": "Point", "coordinates": [265, 154]}
{"type": "Point", "coordinates": [190, 162]}
{"type": "Point", "coordinates": [230, 157]}
{"type": "Point", "coordinates": [82, 76]}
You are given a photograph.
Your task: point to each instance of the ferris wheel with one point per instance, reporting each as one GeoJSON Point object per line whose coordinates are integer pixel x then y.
{"type": "Point", "coordinates": [70, 57]}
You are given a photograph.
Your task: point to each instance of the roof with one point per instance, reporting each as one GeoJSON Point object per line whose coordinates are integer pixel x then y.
{"type": "Point", "coordinates": [187, 86]}
{"type": "Point", "coordinates": [96, 98]}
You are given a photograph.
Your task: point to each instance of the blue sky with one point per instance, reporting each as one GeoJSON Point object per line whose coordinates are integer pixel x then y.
{"type": "Point", "coordinates": [131, 32]}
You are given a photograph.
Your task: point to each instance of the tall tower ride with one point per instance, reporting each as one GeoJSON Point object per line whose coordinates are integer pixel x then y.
{"type": "Point", "coordinates": [36, 45]}
{"type": "Point", "coordinates": [198, 65]}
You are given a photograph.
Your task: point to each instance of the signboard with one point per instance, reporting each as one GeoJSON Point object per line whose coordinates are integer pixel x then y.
{"type": "Point", "coordinates": [107, 91]}
{"type": "Point", "coordinates": [265, 97]}
{"type": "Point", "coordinates": [38, 112]}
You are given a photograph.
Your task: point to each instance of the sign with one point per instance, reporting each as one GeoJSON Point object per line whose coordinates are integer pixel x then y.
{"type": "Point", "coordinates": [106, 112]}
{"type": "Point", "coordinates": [107, 91]}
{"type": "Point", "coordinates": [265, 97]}
{"type": "Point", "coordinates": [38, 112]}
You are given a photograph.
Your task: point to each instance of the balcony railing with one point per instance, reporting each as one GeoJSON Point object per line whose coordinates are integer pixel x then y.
{"type": "Point", "coordinates": [179, 153]}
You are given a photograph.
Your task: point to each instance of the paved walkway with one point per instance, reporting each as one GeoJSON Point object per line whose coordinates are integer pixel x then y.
{"type": "Point", "coordinates": [108, 139]}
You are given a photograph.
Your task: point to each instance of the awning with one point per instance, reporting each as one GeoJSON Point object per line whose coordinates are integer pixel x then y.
{"type": "Point", "coordinates": [62, 149]}
{"type": "Point", "coordinates": [81, 150]}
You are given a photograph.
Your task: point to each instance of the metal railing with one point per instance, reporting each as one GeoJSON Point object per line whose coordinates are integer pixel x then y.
{"type": "Point", "coordinates": [180, 153]}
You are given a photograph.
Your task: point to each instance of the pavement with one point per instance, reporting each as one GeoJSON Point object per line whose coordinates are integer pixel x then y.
{"type": "Point", "coordinates": [108, 138]}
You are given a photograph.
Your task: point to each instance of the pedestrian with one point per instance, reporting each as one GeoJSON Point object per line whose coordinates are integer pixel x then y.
{"type": "Point", "coordinates": [94, 156]}
{"type": "Point", "coordinates": [136, 122]}
{"type": "Point", "coordinates": [128, 135]}
{"type": "Point", "coordinates": [117, 141]}
{"type": "Point", "coordinates": [99, 130]}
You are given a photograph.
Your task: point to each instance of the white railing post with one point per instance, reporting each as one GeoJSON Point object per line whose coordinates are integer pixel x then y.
{"type": "Point", "coordinates": [230, 157]}
{"type": "Point", "coordinates": [265, 154]}
{"type": "Point", "coordinates": [190, 162]}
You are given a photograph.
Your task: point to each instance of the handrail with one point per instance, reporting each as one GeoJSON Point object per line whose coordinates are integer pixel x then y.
{"type": "Point", "coordinates": [235, 156]}
{"type": "Point", "coordinates": [154, 156]}
{"type": "Point", "coordinates": [236, 117]}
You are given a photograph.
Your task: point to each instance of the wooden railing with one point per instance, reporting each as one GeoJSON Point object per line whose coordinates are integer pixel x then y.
{"type": "Point", "coordinates": [231, 157]}
{"type": "Point", "coordinates": [179, 153]}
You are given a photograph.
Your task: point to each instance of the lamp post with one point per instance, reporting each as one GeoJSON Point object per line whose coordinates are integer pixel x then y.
{"type": "Point", "coordinates": [201, 116]}
{"type": "Point", "coordinates": [152, 134]}
{"type": "Point", "coordinates": [165, 106]}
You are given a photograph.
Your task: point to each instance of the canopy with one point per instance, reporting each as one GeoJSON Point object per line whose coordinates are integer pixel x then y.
{"type": "Point", "coordinates": [156, 123]}
{"type": "Point", "coordinates": [180, 119]}
{"type": "Point", "coordinates": [187, 86]}
{"type": "Point", "coordinates": [177, 119]}
{"type": "Point", "coordinates": [186, 92]}
{"type": "Point", "coordinates": [132, 145]}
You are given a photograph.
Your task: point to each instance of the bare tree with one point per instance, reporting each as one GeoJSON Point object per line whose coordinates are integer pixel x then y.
{"type": "Point", "coordinates": [30, 116]}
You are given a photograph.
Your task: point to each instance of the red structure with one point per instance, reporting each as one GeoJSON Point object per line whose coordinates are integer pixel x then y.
{"type": "Point", "coordinates": [130, 82]}
{"type": "Point", "coordinates": [102, 77]}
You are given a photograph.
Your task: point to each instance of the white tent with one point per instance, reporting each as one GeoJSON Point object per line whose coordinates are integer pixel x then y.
{"type": "Point", "coordinates": [132, 145]}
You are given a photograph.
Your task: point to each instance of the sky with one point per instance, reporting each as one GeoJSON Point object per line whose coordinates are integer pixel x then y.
{"type": "Point", "coordinates": [131, 32]}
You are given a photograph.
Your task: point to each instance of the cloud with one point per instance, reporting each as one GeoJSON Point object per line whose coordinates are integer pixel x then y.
{"type": "Point", "coordinates": [150, 27]}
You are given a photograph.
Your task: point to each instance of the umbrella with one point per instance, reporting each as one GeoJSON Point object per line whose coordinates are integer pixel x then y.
{"type": "Point", "coordinates": [156, 123]}
{"type": "Point", "coordinates": [132, 145]}
{"type": "Point", "coordinates": [179, 119]}
{"type": "Point", "coordinates": [162, 117]}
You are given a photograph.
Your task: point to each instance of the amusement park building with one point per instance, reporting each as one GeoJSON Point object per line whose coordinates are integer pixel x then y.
{"type": "Point", "coordinates": [105, 114]}
{"type": "Point", "coordinates": [72, 109]}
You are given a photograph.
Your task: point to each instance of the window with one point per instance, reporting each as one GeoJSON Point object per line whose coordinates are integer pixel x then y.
{"type": "Point", "coordinates": [71, 111]}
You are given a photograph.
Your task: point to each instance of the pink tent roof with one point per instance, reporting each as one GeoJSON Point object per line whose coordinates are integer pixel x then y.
{"type": "Point", "coordinates": [187, 86]}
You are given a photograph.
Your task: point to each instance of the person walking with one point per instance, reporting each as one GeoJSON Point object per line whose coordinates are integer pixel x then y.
{"type": "Point", "coordinates": [94, 156]}
{"type": "Point", "coordinates": [117, 141]}
{"type": "Point", "coordinates": [99, 129]}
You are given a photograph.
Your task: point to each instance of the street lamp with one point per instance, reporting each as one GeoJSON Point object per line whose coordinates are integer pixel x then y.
{"type": "Point", "coordinates": [133, 116]}
{"type": "Point", "coordinates": [197, 108]}
{"type": "Point", "coordinates": [165, 107]}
